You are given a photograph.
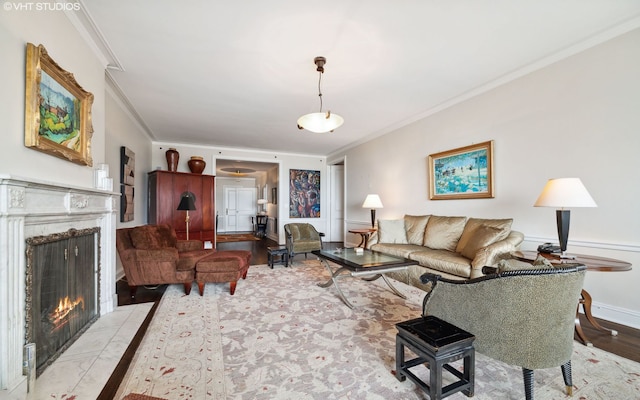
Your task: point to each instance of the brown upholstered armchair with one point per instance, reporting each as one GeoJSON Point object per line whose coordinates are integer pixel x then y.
{"type": "Point", "coordinates": [152, 255]}
{"type": "Point", "coordinates": [302, 238]}
{"type": "Point", "coordinates": [523, 317]}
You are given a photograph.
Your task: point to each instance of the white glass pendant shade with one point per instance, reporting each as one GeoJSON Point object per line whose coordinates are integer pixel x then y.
{"type": "Point", "coordinates": [320, 122]}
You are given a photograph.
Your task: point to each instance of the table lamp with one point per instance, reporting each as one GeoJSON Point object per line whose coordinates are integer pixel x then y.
{"type": "Point", "coordinates": [262, 202]}
{"type": "Point", "coordinates": [187, 203]}
{"type": "Point", "coordinates": [563, 193]}
{"type": "Point", "coordinates": [372, 201]}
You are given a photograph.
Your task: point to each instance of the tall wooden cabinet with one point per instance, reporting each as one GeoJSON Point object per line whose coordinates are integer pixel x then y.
{"type": "Point", "coordinates": [165, 191]}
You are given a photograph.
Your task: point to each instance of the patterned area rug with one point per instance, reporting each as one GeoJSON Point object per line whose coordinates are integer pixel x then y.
{"type": "Point", "coordinates": [283, 337]}
{"type": "Point", "coordinates": [239, 237]}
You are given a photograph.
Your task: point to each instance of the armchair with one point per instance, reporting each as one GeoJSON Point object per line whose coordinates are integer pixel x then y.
{"type": "Point", "coordinates": [152, 255]}
{"type": "Point", "coordinates": [301, 238]}
{"type": "Point", "coordinates": [522, 317]}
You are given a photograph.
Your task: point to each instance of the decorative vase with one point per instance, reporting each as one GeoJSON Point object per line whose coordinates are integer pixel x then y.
{"type": "Point", "coordinates": [172, 159]}
{"type": "Point", "coordinates": [196, 164]}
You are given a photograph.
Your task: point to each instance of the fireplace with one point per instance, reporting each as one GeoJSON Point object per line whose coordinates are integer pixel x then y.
{"type": "Point", "coordinates": [35, 216]}
{"type": "Point", "coordinates": [61, 291]}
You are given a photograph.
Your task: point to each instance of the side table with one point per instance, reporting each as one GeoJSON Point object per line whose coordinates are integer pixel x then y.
{"type": "Point", "coordinates": [592, 263]}
{"type": "Point", "coordinates": [364, 235]}
{"type": "Point", "coordinates": [277, 254]}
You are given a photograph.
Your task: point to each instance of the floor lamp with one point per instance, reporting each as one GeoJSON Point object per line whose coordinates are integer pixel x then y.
{"type": "Point", "coordinates": [372, 201]}
{"type": "Point", "coordinates": [562, 193]}
{"type": "Point", "coordinates": [187, 203]}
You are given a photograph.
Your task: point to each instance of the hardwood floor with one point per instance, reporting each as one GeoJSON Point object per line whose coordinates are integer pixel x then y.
{"type": "Point", "coordinates": [626, 344]}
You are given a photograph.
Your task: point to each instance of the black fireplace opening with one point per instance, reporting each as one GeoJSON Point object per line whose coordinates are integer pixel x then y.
{"type": "Point", "coordinates": [62, 291]}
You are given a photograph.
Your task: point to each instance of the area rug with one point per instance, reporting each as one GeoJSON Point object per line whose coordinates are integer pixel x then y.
{"type": "Point", "coordinates": [239, 237]}
{"type": "Point", "coordinates": [283, 337]}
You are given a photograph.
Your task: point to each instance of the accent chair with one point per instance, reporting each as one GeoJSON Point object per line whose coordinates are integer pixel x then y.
{"type": "Point", "coordinates": [301, 238]}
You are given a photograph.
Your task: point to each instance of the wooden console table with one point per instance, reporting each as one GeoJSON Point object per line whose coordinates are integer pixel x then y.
{"type": "Point", "coordinates": [364, 235]}
{"type": "Point", "coordinates": [592, 263]}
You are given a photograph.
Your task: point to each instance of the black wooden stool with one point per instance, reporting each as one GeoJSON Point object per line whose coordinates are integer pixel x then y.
{"type": "Point", "coordinates": [437, 343]}
{"type": "Point", "coordinates": [277, 254]}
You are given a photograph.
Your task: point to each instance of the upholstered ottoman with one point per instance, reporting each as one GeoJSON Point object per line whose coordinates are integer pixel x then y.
{"type": "Point", "coordinates": [223, 266]}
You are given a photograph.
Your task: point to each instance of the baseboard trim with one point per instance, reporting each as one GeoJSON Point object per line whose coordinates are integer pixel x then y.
{"type": "Point", "coordinates": [618, 315]}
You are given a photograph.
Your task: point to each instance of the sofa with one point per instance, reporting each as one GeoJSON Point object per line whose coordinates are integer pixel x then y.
{"type": "Point", "coordinates": [152, 255]}
{"type": "Point", "coordinates": [453, 247]}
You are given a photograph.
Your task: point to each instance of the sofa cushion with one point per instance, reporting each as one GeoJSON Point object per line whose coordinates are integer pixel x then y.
{"type": "Point", "coordinates": [152, 237]}
{"type": "Point", "coordinates": [392, 231]}
{"type": "Point", "coordinates": [398, 250]}
{"type": "Point", "coordinates": [443, 260]}
{"type": "Point", "coordinates": [443, 233]}
{"type": "Point", "coordinates": [415, 225]}
{"type": "Point", "coordinates": [512, 264]}
{"type": "Point", "coordinates": [483, 236]}
{"type": "Point", "coordinates": [469, 232]}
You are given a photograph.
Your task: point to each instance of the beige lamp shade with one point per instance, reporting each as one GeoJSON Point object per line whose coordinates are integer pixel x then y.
{"type": "Point", "coordinates": [565, 193]}
{"type": "Point", "coordinates": [372, 201]}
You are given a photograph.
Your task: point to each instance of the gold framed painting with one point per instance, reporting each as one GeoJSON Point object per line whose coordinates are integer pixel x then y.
{"type": "Point", "coordinates": [57, 110]}
{"type": "Point", "coordinates": [462, 173]}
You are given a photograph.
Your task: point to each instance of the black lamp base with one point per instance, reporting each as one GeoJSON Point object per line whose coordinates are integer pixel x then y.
{"type": "Point", "coordinates": [562, 219]}
{"type": "Point", "coordinates": [373, 218]}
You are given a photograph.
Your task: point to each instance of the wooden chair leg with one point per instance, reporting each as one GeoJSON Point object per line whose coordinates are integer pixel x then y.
{"type": "Point", "coordinates": [132, 291]}
{"type": "Point", "coordinates": [187, 287]}
{"type": "Point", "coordinates": [201, 288]}
{"type": "Point", "coordinates": [566, 374]}
{"type": "Point", "coordinates": [232, 287]}
{"type": "Point", "coordinates": [527, 374]}
{"type": "Point", "coordinates": [244, 276]}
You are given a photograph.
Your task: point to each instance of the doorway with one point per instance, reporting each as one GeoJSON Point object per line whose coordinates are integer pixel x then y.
{"type": "Point", "coordinates": [239, 209]}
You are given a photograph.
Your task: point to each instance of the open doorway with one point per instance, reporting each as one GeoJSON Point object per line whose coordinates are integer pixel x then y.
{"type": "Point", "coordinates": [243, 191]}
{"type": "Point", "coordinates": [336, 202]}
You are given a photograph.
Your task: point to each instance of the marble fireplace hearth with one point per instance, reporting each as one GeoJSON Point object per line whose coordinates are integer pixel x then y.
{"type": "Point", "coordinates": [31, 208]}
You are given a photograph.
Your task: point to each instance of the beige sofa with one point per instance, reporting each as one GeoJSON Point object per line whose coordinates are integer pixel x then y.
{"type": "Point", "coordinates": [454, 247]}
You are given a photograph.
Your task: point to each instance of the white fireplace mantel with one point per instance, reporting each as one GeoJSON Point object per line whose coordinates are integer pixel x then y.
{"type": "Point", "coordinates": [31, 208]}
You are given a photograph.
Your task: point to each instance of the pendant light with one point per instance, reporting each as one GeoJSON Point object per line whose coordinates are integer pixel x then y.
{"type": "Point", "coordinates": [320, 122]}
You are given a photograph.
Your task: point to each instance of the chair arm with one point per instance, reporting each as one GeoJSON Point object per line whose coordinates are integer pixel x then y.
{"type": "Point", "coordinates": [189, 245]}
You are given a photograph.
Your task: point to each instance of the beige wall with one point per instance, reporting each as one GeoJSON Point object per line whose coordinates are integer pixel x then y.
{"type": "Point", "coordinates": [53, 30]}
{"type": "Point", "coordinates": [578, 117]}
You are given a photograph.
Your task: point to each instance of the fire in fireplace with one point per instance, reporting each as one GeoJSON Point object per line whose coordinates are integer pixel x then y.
{"type": "Point", "coordinates": [62, 290]}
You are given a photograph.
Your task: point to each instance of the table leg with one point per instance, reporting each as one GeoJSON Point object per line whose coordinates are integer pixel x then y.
{"type": "Point", "coordinates": [585, 301]}
{"type": "Point", "coordinates": [363, 242]}
{"type": "Point", "coordinates": [384, 278]}
{"type": "Point", "coordinates": [333, 280]}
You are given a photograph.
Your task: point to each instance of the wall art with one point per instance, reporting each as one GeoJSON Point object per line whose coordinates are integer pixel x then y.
{"type": "Point", "coordinates": [462, 173]}
{"type": "Point", "coordinates": [304, 193]}
{"type": "Point", "coordinates": [57, 109]}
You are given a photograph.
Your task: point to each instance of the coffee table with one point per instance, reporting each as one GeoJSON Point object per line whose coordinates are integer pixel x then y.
{"type": "Point", "coordinates": [366, 263]}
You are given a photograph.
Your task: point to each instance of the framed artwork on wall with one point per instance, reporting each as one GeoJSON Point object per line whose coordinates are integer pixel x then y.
{"type": "Point", "coordinates": [127, 181]}
{"type": "Point", "coordinates": [57, 109]}
{"type": "Point", "coordinates": [304, 193]}
{"type": "Point", "coordinates": [462, 173]}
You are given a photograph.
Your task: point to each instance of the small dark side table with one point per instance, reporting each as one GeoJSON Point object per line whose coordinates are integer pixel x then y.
{"type": "Point", "coordinates": [277, 254]}
{"type": "Point", "coordinates": [592, 263]}
{"type": "Point", "coordinates": [437, 343]}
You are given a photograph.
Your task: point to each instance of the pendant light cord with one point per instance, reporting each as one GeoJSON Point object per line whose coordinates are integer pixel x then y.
{"type": "Point", "coordinates": [320, 90]}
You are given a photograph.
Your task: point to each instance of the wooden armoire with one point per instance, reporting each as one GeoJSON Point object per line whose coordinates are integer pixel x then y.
{"type": "Point", "coordinates": [166, 189]}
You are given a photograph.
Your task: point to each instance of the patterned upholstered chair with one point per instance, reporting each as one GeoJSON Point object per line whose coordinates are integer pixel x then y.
{"type": "Point", "coordinates": [302, 238]}
{"type": "Point", "coordinates": [523, 317]}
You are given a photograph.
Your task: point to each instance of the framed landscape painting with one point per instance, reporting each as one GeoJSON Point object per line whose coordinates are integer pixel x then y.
{"type": "Point", "coordinates": [57, 109]}
{"type": "Point", "coordinates": [463, 173]}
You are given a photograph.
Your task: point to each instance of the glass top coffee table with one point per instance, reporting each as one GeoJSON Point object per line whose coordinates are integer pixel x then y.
{"type": "Point", "coordinates": [366, 263]}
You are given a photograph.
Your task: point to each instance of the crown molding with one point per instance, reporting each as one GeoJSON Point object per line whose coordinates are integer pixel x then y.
{"type": "Point", "coordinates": [91, 34]}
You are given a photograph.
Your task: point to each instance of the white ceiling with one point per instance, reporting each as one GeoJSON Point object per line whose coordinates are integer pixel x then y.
{"type": "Point", "coordinates": [240, 73]}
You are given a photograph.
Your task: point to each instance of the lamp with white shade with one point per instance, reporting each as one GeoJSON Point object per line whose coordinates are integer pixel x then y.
{"type": "Point", "coordinates": [262, 202]}
{"type": "Point", "coordinates": [564, 193]}
{"type": "Point", "coordinates": [372, 201]}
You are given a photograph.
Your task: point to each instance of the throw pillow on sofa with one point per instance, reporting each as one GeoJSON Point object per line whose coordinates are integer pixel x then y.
{"type": "Point", "coordinates": [443, 233]}
{"type": "Point", "coordinates": [483, 236]}
{"type": "Point", "coordinates": [415, 225]}
{"type": "Point", "coordinates": [469, 233]}
{"type": "Point", "coordinates": [391, 231]}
